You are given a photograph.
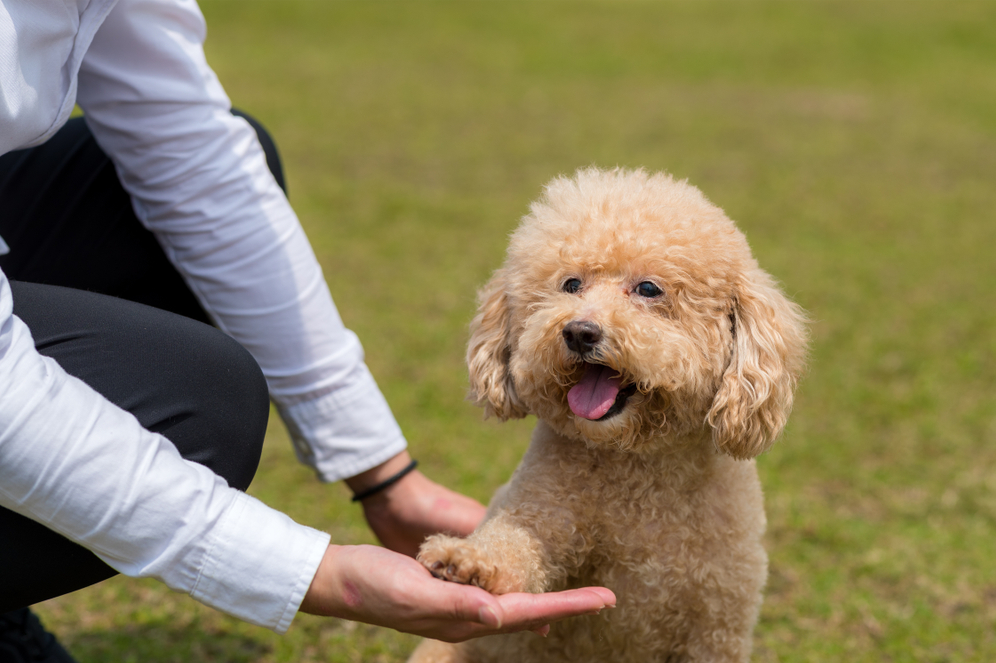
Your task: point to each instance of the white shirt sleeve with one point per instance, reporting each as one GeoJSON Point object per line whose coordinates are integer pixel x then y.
{"type": "Point", "coordinates": [88, 470]}
{"type": "Point", "coordinates": [199, 181]}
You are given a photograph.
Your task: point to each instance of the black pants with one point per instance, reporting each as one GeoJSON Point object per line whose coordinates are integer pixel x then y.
{"type": "Point", "coordinates": [100, 297]}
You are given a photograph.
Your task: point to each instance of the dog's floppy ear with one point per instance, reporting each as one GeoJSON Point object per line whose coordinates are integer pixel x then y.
{"type": "Point", "coordinates": [769, 347]}
{"type": "Point", "coordinates": [489, 352]}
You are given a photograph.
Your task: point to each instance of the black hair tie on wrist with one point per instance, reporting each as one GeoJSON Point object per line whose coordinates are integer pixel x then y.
{"type": "Point", "coordinates": [386, 483]}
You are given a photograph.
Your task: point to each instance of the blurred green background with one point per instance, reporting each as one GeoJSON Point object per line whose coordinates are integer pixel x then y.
{"type": "Point", "coordinates": [853, 142]}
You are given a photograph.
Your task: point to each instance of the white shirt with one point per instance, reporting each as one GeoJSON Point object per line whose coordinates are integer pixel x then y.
{"type": "Point", "coordinates": [198, 179]}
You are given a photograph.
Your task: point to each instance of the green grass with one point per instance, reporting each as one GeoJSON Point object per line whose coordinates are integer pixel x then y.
{"type": "Point", "coordinates": [854, 143]}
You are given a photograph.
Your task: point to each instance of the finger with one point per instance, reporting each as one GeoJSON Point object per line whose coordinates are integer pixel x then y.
{"type": "Point", "coordinates": [531, 610]}
{"type": "Point", "coordinates": [606, 594]}
{"type": "Point", "coordinates": [582, 600]}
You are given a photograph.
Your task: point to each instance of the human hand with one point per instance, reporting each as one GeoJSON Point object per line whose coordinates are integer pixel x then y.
{"type": "Point", "coordinates": [403, 514]}
{"type": "Point", "coordinates": [376, 586]}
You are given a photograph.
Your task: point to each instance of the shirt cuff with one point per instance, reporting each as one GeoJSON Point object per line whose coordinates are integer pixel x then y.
{"type": "Point", "coordinates": [346, 431]}
{"type": "Point", "coordinates": [259, 564]}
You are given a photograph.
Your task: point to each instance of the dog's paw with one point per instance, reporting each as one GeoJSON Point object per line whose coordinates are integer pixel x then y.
{"type": "Point", "coordinates": [458, 560]}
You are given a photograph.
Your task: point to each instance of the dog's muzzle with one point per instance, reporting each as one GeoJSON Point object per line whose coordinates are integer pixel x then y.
{"type": "Point", "coordinates": [600, 393]}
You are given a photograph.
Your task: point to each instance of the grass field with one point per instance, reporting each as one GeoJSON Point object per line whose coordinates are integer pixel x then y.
{"type": "Point", "coordinates": [854, 143]}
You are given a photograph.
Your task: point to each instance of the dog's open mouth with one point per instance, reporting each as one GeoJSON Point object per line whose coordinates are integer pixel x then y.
{"type": "Point", "coordinates": [600, 394]}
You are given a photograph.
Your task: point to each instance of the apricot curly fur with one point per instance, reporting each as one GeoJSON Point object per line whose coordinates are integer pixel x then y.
{"type": "Point", "coordinates": [658, 500]}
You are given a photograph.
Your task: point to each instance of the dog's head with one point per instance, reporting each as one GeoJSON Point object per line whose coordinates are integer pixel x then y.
{"type": "Point", "coordinates": [629, 308]}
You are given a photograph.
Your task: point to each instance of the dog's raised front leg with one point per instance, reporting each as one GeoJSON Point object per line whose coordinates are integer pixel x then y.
{"type": "Point", "coordinates": [527, 543]}
{"type": "Point", "coordinates": [502, 556]}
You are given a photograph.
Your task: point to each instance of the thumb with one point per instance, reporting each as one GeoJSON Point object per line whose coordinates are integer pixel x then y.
{"type": "Point", "coordinates": [490, 616]}
{"type": "Point", "coordinates": [473, 604]}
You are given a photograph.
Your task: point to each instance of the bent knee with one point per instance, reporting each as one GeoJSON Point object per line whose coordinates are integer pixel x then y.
{"type": "Point", "coordinates": [229, 407]}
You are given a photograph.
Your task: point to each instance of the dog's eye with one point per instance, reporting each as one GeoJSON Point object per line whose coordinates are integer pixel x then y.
{"type": "Point", "coordinates": [571, 286]}
{"type": "Point", "coordinates": [648, 290]}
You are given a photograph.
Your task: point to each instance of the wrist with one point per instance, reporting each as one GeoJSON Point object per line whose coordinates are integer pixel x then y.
{"type": "Point", "coordinates": [386, 484]}
{"type": "Point", "coordinates": [367, 483]}
{"type": "Point", "coordinates": [324, 589]}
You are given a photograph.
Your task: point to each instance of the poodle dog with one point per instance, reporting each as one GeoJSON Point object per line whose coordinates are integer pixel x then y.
{"type": "Point", "coordinates": [632, 320]}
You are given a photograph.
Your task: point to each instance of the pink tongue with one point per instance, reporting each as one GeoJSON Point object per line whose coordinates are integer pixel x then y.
{"type": "Point", "coordinates": [592, 397]}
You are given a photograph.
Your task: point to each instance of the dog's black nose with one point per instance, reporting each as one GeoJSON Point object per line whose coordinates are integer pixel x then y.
{"type": "Point", "coordinates": [582, 336]}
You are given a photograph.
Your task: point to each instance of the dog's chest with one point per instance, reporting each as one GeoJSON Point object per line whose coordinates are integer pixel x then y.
{"type": "Point", "coordinates": [636, 512]}
{"type": "Point", "coordinates": [640, 542]}
{"type": "Point", "coordinates": [650, 528]}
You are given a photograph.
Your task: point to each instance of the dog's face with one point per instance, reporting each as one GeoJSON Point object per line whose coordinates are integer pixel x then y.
{"type": "Point", "coordinates": [629, 309]}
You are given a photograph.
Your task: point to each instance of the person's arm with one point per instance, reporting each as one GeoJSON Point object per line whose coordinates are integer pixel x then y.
{"type": "Point", "coordinates": [85, 468]}
{"type": "Point", "coordinates": [198, 179]}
